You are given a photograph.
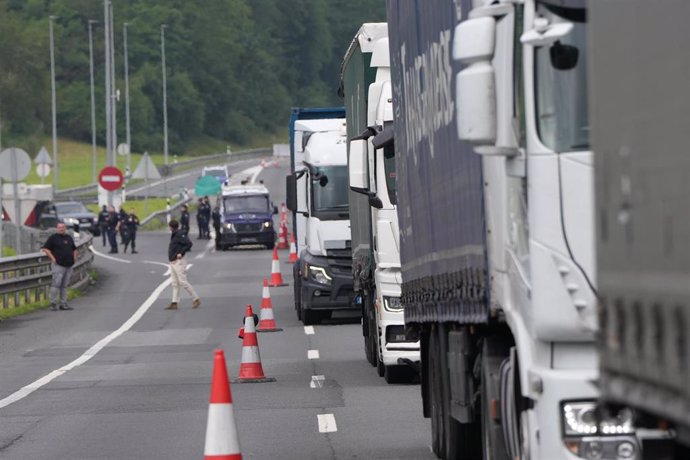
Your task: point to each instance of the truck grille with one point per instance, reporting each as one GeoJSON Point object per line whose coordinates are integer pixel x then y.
{"type": "Point", "coordinates": [340, 260]}
{"type": "Point", "coordinates": [248, 228]}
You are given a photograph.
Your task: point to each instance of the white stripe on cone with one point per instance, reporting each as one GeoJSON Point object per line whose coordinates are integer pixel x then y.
{"type": "Point", "coordinates": [266, 294]}
{"type": "Point", "coordinates": [250, 355]}
{"type": "Point", "coordinates": [266, 313]}
{"type": "Point", "coordinates": [275, 266]}
{"type": "Point", "coordinates": [221, 431]}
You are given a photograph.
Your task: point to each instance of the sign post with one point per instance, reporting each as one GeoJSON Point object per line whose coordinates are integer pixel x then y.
{"type": "Point", "coordinates": [146, 170]}
{"type": "Point", "coordinates": [15, 165]}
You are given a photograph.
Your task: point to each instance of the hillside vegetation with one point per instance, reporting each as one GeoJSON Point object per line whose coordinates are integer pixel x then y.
{"type": "Point", "coordinates": [234, 67]}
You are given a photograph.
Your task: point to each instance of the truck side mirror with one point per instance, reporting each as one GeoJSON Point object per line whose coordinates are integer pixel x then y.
{"type": "Point", "coordinates": [290, 193]}
{"type": "Point", "coordinates": [357, 166]}
{"type": "Point", "coordinates": [475, 86]}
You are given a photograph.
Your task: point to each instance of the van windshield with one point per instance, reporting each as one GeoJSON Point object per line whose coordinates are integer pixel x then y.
{"type": "Point", "coordinates": [251, 203]}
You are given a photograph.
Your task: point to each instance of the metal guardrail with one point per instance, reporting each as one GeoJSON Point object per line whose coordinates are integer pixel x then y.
{"type": "Point", "coordinates": [74, 192]}
{"type": "Point", "coordinates": [26, 278]}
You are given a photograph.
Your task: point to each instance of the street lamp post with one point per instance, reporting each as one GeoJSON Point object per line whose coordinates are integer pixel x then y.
{"type": "Point", "coordinates": [128, 132]}
{"type": "Point", "coordinates": [54, 104]}
{"type": "Point", "coordinates": [165, 112]}
{"type": "Point", "coordinates": [108, 90]}
{"type": "Point", "coordinates": [93, 103]}
{"type": "Point", "coordinates": [112, 77]}
{"type": "Point", "coordinates": [165, 96]}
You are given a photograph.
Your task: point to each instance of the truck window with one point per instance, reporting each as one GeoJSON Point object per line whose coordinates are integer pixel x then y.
{"type": "Point", "coordinates": [562, 112]}
{"type": "Point", "coordinates": [256, 203]}
{"type": "Point", "coordinates": [333, 196]}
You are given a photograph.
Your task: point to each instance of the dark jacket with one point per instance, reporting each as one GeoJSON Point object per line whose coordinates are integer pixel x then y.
{"type": "Point", "coordinates": [103, 218]}
{"type": "Point", "coordinates": [132, 223]}
{"type": "Point", "coordinates": [216, 217]}
{"type": "Point", "coordinates": [184, 220]}
{"type": "Point", "coordinates": [179, 244]}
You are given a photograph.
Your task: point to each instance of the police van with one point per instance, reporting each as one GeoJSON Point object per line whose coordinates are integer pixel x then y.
{"type": "Point", "coordinates": [246, 216]}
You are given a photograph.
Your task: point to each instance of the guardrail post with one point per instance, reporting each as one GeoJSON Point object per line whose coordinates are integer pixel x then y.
{"type": "Point", "coordinates": [167, 210]}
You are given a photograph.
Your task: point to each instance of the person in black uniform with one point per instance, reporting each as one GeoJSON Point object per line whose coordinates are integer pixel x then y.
{"type": "Point", "coordinates": [184, 219]}
{"type": "Point", "coordinates": [103, 224]}
{"type": "Point", "coordinates": [216, 224]}
{"type": "Point", "coordinates": [131, 223]}
{"type": "Point", "coordinates": [113, 227]}
{"type": "Point", "coordinates": [62, 251]}
{"type": "Point", "coordinates": [205, 211]}
{"type": "Point", "coordinates": [123, 229]}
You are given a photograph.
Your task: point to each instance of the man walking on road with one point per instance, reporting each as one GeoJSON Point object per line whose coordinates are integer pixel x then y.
{"type": "Point", "coordinates": [62, 251]}
{"type": "Point", "coordinates": [178, 247]}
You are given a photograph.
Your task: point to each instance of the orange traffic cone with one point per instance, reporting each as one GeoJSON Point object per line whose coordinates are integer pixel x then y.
{"type": "Point", "coordinates": [222, 442]}
{"type": "Point", "coordinates": [276, 277]}
{"type": "Point", "coordinates": [283, 214]}
{"type": "Point", "coordinates": [251, 370]}
{"type": "Point", "coordinates": [282, 237]}
{"type": "Point", "coordinates": [267, 322]}
{"type": "Point", "coordinates": [292, 258]}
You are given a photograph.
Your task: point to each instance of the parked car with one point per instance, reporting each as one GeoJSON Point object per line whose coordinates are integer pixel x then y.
{"type": "Point", "coordinates": [219, 172]}
{"type": "Point", "coordinates": [77, 217]}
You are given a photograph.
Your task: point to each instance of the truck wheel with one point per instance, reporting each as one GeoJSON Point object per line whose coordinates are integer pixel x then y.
{"type": "Point", "coordinates": [462, 440]}
{"type": "Point", "coordinates": [297, 290]}
{"type": "Point", "coordinates": [435, 397]}
{"type": "Point", "coordinates": [309, 316]}
{"type": "Point", "coordinates": [494, 351]}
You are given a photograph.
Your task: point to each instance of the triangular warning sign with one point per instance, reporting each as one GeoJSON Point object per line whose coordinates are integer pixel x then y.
{"type": "Point", "coordinates": [43, 157]}
{"type": "Point", "coordinates": [146, 169]}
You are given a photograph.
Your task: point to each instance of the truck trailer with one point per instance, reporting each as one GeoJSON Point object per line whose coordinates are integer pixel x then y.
{"type": "Point", "coordinates": [496, 209]}
{"type": "Point", "coordinates": [640, 108]}
{"type": "Point", "coordinates": [317, 194]}
{"type": "Point", "coordinates": [366, 89]}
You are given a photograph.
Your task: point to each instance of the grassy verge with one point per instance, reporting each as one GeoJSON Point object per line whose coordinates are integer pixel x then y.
{"type": "Point", "coordinates": [8, 252]}
{"type": "Point", "coordinates": [141, 208]}
{"type": "Point", "coordinates": [13, 312]}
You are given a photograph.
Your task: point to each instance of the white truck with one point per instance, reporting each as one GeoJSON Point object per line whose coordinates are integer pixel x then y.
{"type": "Point", "coordinates": [496, 208]}
{"type": "Point", "coordinates": [317, 194]}
{"type": "Point", "coordinates": [366, 88]}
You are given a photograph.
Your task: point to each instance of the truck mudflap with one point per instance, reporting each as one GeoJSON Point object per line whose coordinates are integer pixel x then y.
{"type": "Point", "coordinates": [448, 297]}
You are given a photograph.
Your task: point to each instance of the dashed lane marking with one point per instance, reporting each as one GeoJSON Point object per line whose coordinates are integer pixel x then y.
{"type": "Point", "coordinates": [317, 381]}
{"type": "Point", "coordinates": [309, 330]}
{"type": "Point", "coordinates": [327, 423]}
{"type": "Point", "coordinates": [313, 354]}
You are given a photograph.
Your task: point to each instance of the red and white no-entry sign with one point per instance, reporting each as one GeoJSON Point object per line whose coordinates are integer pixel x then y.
{"type": "Point", "coordinates": [110, 178]}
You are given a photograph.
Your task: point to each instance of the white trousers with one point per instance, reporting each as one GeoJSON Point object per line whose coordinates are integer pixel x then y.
{"type": "Point", "coordinates": [179, 279]}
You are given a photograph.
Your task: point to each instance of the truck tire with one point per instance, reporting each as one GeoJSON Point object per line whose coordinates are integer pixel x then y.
{"type": "Point", "coordinates": [370, 348]}
{"type": "Point", "coordinates": [462, 440]}
{"type": "Point", "coordinates": [434, 386]}
{"type": "Point", "coordinates": [297, 290]}
{"type": "Point", "coordinates": [309, 316]}
{"type": "Point", "coordinates": [494, 351]}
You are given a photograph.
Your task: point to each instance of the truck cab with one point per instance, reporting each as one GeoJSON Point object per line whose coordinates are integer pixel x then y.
{"type": "Point", "coordinates": [317, 193]}
{"type": "Point", "coordinates": [246, 216]}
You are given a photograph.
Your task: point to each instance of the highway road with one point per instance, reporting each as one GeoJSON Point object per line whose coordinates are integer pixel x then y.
{"type": "Point", "coordinates": [122, 378]}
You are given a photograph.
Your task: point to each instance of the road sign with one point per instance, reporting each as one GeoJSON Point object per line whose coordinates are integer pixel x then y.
{"type": "Point", "coordinates": [43, 157]}
{"type": "Point", "coordinates": [15, 164]}
{"type": "Point", "coordinates": [146, 169]}
{"type": "Point", "coordinates": [110, 178]}
{"type": "Point", "coordinates": [123, 149]}
{"type": "Point", "coordinates": [43, 170]}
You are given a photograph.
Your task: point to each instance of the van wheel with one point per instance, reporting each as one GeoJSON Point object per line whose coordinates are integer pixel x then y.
{"type": "Point", "coordinates": [270, 246]}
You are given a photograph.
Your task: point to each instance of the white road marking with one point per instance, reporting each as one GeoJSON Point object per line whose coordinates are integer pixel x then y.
{"type": "Point", "coordinates": [309, 330]}
{"type": "Point", "coordinates": [105, 256]}
{"type": "Point", "coordinates": [317, 381]}
{"type": "Point", "coordinates": [313, 354]}
{"type": "Point", "coordinates": [88, 354]}
{"type": "Point", "coordinates": [327, 423]}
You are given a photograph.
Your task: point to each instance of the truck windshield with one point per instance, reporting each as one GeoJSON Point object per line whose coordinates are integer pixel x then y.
{"type": "Point", "coordinates": [561, 83]}
{"type": "Point", "coordinates": [333, 195]}
{"type": "Point", "coordinates": [252, 203]}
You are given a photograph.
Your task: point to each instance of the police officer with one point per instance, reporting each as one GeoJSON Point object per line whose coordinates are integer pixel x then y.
{"type": "Point", "coordinates": [103, 223]}
{"type": "Point", "coordinates": [113, 227]}
{"type": "Point", "coordinates": [205, 211]}
{"type": "Point", "coordinates": [131, 223]}
{"type": "Point", "coordinates": [123, 229]}
{"type": "Point", "coordinates": [184, 219]}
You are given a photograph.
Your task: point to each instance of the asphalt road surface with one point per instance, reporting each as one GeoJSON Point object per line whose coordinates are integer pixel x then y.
{"type": "Point", "coordinates": [122, 378]}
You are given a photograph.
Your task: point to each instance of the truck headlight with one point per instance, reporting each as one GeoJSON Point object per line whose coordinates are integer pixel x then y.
{"type": "Point", "coordinates": [320, 275]}
{"type": "Point", "coordinates": [392, 304]}
{"type": "Point", "coordinates": [582, 419]}
{"type": "Point", "coordinates": [229, 227]}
